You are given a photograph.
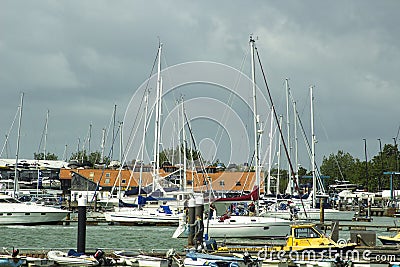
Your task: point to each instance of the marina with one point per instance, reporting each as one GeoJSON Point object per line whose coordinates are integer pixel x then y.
{"type": "Point", "coordinates": [217, 165]}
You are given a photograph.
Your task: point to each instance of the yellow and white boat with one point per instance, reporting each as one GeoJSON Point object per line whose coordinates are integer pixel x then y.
{"type": "Point", "coordinates": [302, 237]}
{"type": "Point", "coordinates": [390, 240]}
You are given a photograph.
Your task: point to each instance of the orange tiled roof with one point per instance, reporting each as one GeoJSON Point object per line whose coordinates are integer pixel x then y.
{"type": "Point", "coordinates": [221, 181]}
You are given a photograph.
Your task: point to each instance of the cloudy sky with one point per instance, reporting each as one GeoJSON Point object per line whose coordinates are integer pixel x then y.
{"type": "Point", "coordinates": [78, 59]}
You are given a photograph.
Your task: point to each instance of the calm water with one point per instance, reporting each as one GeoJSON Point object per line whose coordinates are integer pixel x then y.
{"type": "Point", "coordinates": [117, 237]}
{"type": "Point", "coordinates": [100, 236]}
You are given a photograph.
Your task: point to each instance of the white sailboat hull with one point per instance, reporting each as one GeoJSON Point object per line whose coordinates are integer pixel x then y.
{"type": "Point", "coordinates": [312, 214]}
{"type": "Point", "coordinates": [242, 227]}
{"type": "Point", "coordinates": [141, 217]}
{"type": "Point", "coordinates": [248, 227]}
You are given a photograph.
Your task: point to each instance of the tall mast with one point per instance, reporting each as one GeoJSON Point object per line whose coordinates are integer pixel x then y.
{"type": "Point", "coordinates": [65, 152]}
{"type": "Point", "coordinates": [279, 157]}
{"type": "Point", "coordinates": [113, 132]}
{"type": "Point", "coordinates": [313, 148]}
{"type": "Point", "coordinates": [16, 187]}
{"type": "Point", "coordinates": [121, 151]}
{"type": "Point", "coordinates": [296, 152]}
{"type": "Point", "coordinates": [290, 183]}
{"type": "Point", "coordinates": [89, 138]}
{"type": "Point", "coordinates": [157, 121]}
{"type": "Point", "coordinates": [103, 142]}
{"type": "Point", "coordinates": [184, 147]}
{"type": "Point", "coordinates": [45, 134]}
{"type": "Point", "coordinates": [146, 101]}
{"type": "Point", "coordinates": [270, 153]}
{"type": "Point", "coordinates": [255, 117]}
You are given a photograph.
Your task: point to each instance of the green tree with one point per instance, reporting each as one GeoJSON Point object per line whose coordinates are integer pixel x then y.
{"type": "Point", "coordinates": [49, 156]}
{"type": "Point", "coordinates": [339, 167]}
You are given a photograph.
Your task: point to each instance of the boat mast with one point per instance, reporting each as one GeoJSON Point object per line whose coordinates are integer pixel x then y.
{"type": "Point", "coordinates": [314, 185]}
{"type": "Point", "coordinates": [296, 144]}
{"type": "Point", "coordinates": [16, 187]}
{"type": "Point", "coordinates": [45, 134]}
{"type": "Point", "coordinates": [103, 142]}
{"type": "Point", "coordinates": [289, 189]}
{"type": "Point", "coordinates": [184, 147]}
{"type": "Point", "coordinates": [279, 158]}
{"type": "Point", "coordinates": [255, 117]}
{"type": "Point", "coordinates": [270, 153]}
{"type": "Point", "coordinates": [146, 106]}
{"type": "Point", "coordinates": [156, 162]}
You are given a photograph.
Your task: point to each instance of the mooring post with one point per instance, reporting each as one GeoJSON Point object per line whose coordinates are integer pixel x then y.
{"type": "Point", "coordinates": [321, 210]}
{"type": "Point", "coordinates": [81, 225]}
{"type": "Point", "coordinates": [199, 210]}
{"type": "Point", "coordinates": [191, 219]}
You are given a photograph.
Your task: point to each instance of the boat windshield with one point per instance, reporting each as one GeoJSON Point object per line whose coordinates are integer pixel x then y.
{"type": "Point", "coordinates": [306, 233]}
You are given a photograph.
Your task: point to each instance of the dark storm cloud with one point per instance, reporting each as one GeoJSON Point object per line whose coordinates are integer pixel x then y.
{"type": "Point", "coordinates": [79, 58]}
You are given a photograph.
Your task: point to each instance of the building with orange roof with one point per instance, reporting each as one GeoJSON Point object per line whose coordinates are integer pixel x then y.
{"type": "Point", "coordinates": [233, 182]}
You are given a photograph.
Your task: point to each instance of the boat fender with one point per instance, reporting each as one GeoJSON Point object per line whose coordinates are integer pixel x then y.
{"type": "Point", "coordinates": [15, 253]}
{"type": "Point", "coordinates": [99, 254]}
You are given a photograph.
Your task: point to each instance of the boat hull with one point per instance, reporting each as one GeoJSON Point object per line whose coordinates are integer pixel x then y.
{"type": "Point", "coordinates": [313, 214]}
{"type": "Point", "coordinates": [242, 227]}
{"type": "Point", "coordinates": [8, 261]}
{"type": "Point", "coordinates": [387, 240]}
{"type": "Point", "coordinates": [62, 258]}
{"type": "Point", "coordinates": [138, 217]}
{"type": "Point", "coordinates": [15, 212]}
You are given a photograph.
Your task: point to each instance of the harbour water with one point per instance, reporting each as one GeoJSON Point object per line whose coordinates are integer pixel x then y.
{"type": "Point", "coordinates": [103, 236]}
{"type": "Point", "coordinates": [116, 237]}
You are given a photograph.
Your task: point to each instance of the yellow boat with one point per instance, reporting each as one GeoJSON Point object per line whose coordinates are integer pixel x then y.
{"type": "Point", "coordinates": [390, 240]}
{"type": "Point", "coordinates": [302, 237]}
{"type": "Point", "coordinates": [309, 237]}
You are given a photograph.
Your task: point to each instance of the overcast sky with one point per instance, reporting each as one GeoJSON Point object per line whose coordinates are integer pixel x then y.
{"type": "Point", "coordinates": [78, 59]}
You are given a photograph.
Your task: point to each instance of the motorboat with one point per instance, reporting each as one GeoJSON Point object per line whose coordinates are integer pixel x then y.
{"type": "Point", "coordinates": [131, 258]}
{"type": "Point", "coordinates": [303, 237]}
{"type": "Point", "coordinates": [12, 259]}
{"type": "Point", "coordinates": [308, 237]}
{"type": "Point", "coordinates": [12, 211]}
{"type": "Point", "coordinates": [194, 259]}
{"type": "Point", "coordinates": [73, 258]}
{"type": "Point", "coordinates": [390, 240]}
{"type": "Point", "coordinates": [9, 261]}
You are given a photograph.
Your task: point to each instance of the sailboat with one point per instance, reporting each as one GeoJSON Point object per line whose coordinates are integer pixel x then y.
{"type": "Point", "coordinates": [12, 211]}
{"type": "Point", "coordinates": [161, 213]}
{"type": "Point", "coordinates": [306, 209]}
{"type": "Point", "coordinates": [242, 226]}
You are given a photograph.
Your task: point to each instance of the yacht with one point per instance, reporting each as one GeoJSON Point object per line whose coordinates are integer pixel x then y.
{"type": "Point", "coordinates": [12, 211]}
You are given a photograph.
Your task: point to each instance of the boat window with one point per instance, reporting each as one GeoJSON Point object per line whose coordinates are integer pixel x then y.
{"type": "Point", "coordinates": [9, 214]}
{"type": "Point", "coordinates": [43, 213]}
{"type": "Point", "coordinates": [27, 213]}
{"type": "Point", "coordinates": [306, 233]}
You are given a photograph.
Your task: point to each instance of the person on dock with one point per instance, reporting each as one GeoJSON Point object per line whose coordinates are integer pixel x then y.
{"type": "Point", "coordinates": [198, 231]}
{"type": "Point", "coordinates": [213, 210]}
